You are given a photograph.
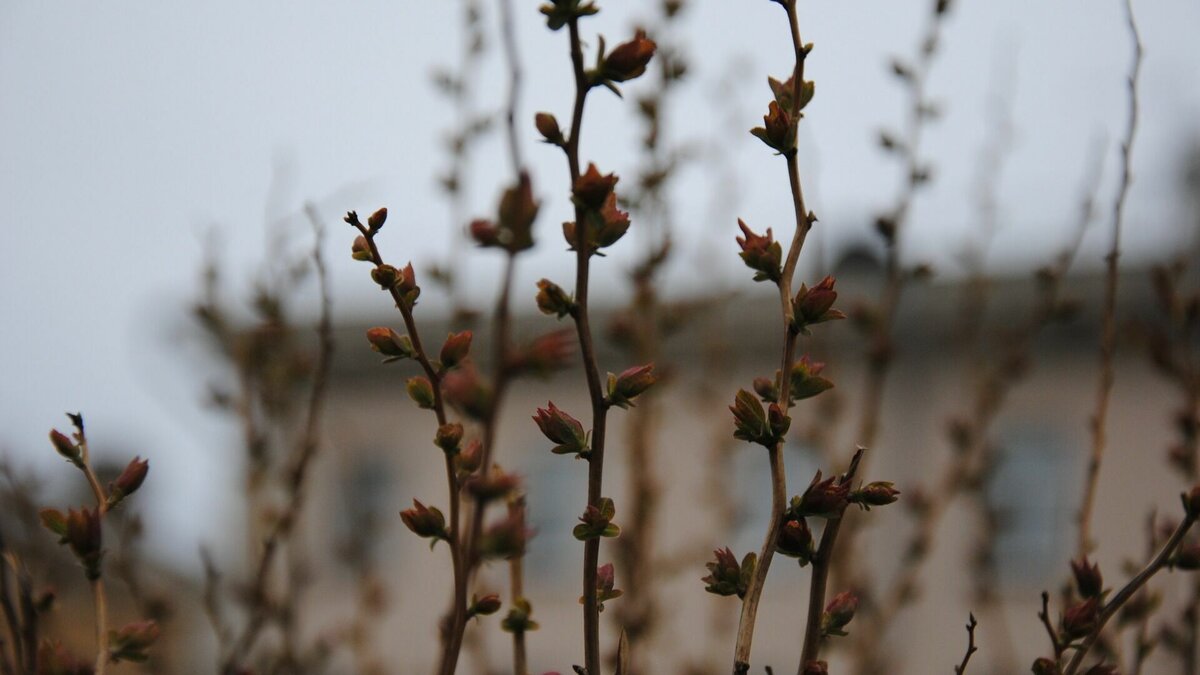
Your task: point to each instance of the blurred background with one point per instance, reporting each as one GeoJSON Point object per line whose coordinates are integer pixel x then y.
{"type": "Point", "coordinates": [139, 143]}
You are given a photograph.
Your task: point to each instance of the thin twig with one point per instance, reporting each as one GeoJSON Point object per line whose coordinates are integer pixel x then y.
{"type": "Point", "coordinates": [1122, 596]}
{"type": "Point", "coordinates": [971, 648]}
{"type": "Point", "coordinates": [1108, 336]}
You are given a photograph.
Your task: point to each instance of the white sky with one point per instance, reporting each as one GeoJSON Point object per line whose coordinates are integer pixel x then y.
{"type": "Point", "coordinates": [129, 129]}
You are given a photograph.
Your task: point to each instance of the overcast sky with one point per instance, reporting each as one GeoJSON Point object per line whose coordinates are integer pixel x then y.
{"type": "Point", "coordinates": [130, 130]}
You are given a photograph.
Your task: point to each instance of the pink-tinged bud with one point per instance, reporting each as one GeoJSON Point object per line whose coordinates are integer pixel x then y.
{"type": "Point", "coordinates": [54, 659]}
{"type": "Point", "coordinates": [546, 354]}
{"type": "Point", "coordinates": [84, 537]}
{"type": "Point", "coordinates": [629, 59]}
{"type": "Point", "coordinates": [1191, 502]}
{"type": "Point", "coordinates": [1187, 557]}
{"type": "Point", "coordinates": [377, 219]}
{"type": "Point", "coordinates": [487, 605]}
{"type": "Point", "coordinates": [750, 419]}
{"type": "Point", "coordinates": [563, 430]}
{"type": "Point", "coordinates": [815, 305]}
{"type": "Point", "coordinates": [726, 576]}
{"type": "Point", "coordinates": [879, 493]}
{"type": "Point", "coordinates": [464, 389]}
{"type": "Point", "coordinates": [547, 126]}
{"type": "Point", "coordinates": [420, 391]}
{"type": "Point", "coordinates": [1045, 666]}
{"type": "Point", "coordinates": [360, 249]}
{"type": "Point", "coordinates": [761, 253]}
{"type": "Point", "coordinates": [448, 437]}
{"type": "Point", "coordinates": [495, 485]}
{"type": "Point", "coordinates": [505, 539]}
{"type": "Point", "coordinates": [485, 232]}
{"type": "Point", "coordinates": [766, 389]}
{"type": "Point", "coordinates": [613, 224]}
{"type": "Point", "coordinates": [1087, 578]}
{"type": "Point", "coordinates": [795, 540]}
{"type": "Point", "coordinates": [807, 381]}
{"type": "Point", "coordinates": [631, 383]}
{"type": "Point", "coordinates": [385, 276]}
{"type": "Point", "coordinates": [552, 299]}
{"type": "Point", "coordinates": [128, 482]}
{"type": "Point", "coordinates": [133, 641]}
{"type": "Point", "coordinates": [591, 190]}
{"type": "Point", "coordinates": [824, 498]}
{"type": "Point", "coordinates": [425, 521]}
{"type": "Point", "coordinates": [406, 283]}
{"type": "Point", "coordinates": [456, 348]}
{"type": "Point", "coordinates": [56, 522]}
{"type": "Point", "coordinates": [471, 457]}
{"type": "Point", "coordinates": [64, 446]}
{"type": "Point", "coordinates": [390, 344]}
{"type": "Point", "coordinates": [606, 579]}
{"type": "Point", "coordinates": [596, 521]}
{"type": "Point", "coordinates": [778, 421]}
{"type": "Point", "coordinates": [1081, 619]}
{"type": "Point", "coordinates": [778, 130]}
{"type": "Point", "coordinates": [815, 668]}
{"type": "Point", "coordinates": [838, 613]}
{"type": "Point", "coordinates": [518, 209]}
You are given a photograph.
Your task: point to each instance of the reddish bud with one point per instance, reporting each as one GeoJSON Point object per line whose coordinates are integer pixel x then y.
{"type": "Point", "coordinates": [406, 283]}
{"type": "Point", "coordinates": [806, 379]}
{"type": "Point", "coordinates": [471, 457]}
{"type": "Point", "coordinates": [606, 579]}
{"type": "Point", "coordinates": [133, 641]}
{"type": "Point", "coordinates": [456, 348]}
{"type": "Point", "coordinates": [613, 223]}
{"type": "Point", "coordinates": [563, 430]}
{"type": "Point", "coordinates": [128, 482]}
{"type": "Point", "coordinates": [750, 420]}
{"type": "Point", "coordinates": [631, 383]}
{"type": "Point", "coordinates": [1087, 578]}
{"type": "Point", "coordinates": [385, 276]}
{"type": "Point", "coordinates": [824, 498]}
{"type": "Point", "coordinates": [360, 249]}
{"type": "Point", "coordinates": [795, 540]}
{"type": "Point", "coordinates": [546, 354]}
{"type": "Point", "coordinates": [726, 576]}
{"type": "Point", "coordinates": [464, 389]}
{"type": "Point", "coordinates": [505, 539]}
{"type": "Point", "coordinates": [84, 537]}
{"type": "Point", "coordinates": [390, 343]}
{"type": "Point", "coordinates": [1045, 666]}
{"type": "Point", "coordinates": [591, 190]}
{"type": "Point", "coordinates": [449, 436]}
{"type": "Point", "coordinates": [552, 299]}
{"type": "Point", "coordinates": [377, 219]}
{"type": "Point", "coordinates": [1191, 502]}
{"type": "Point", "coordinates": [629, 59]}
{"type": "Point", "coordinates": [838, 613]}
{"type": "Point", "coordinates": [596, 521]}
{"type": "Point", "coordinates": [766, 389]}
{"type": "Point", "coordinates": [488, 604]}
{"type": "Point", "coordinates": [425, 521]}
{"type": "Point", "coordinates": [812, 306]}
{"type": "Point", "coordinates": [547, 126]}
{"type": "Point", "coordinates": [760, 253]}
{"type": "Point", "coordinates": [495, 485]}
{"type": "Point", "coordinates": [518, 209]}
{"type": "Point", "coordinates": [815, 668]}
{"type": "Point", "coordinates": [778, 421]}
{"type": "Point", "coordinates": [64, 446]}
{"type": "Point", "coordinates": [1081, 619]}
{"type": "Point", "coordinates": [421, 392]}
{"type": "Point", "coordinates": [485, 232]}
{"type": "Point", "coordinates": [778, 130]}
{"type": "Point", "coordinates": [879, 493]}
